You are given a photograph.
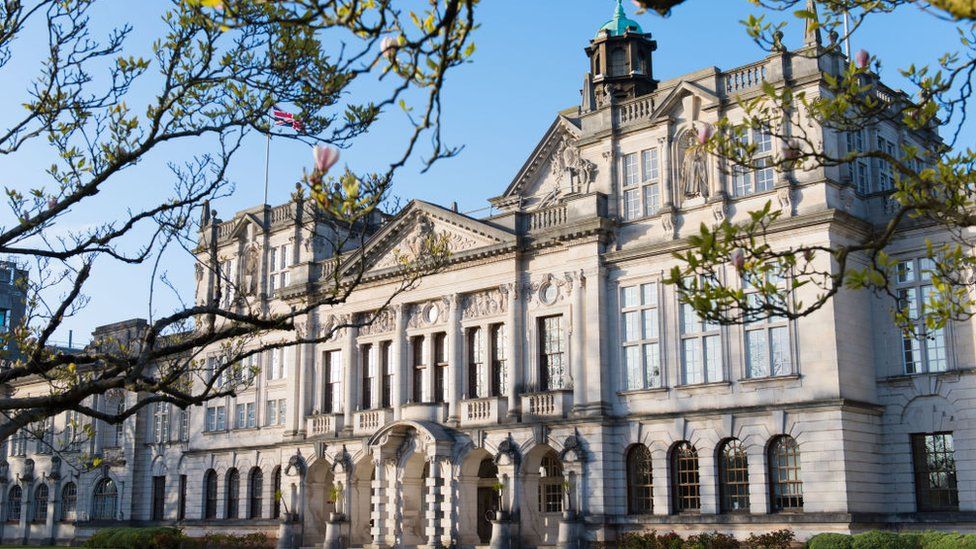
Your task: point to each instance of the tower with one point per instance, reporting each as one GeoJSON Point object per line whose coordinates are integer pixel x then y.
{"type": "Point", "coordinates": [620, 62]}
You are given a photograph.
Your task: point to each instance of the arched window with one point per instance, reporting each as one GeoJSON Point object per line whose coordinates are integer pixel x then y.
{"type": "Point", "coordinates": [276, 492]}
{"type": "Point", "coordinates": [14, 499]}
{"type": "Point", "coordinates": [69, 502]}
{"type": "Point", "coordinates": [551, 484]}
{"type": "Point", "coordinates": [40, 503]}
{"type": "Point", "coordinates": [640, 485]}
{"type": "Point", "coordinates": [233, 494]}
{"type": "Point", "coordinates": [210, 495]}
{"type": "Point", "coordinates": [618, 62]}
{"type": "Point", "coordinates": [104, 500]}
{"type": "Point", "coordinates": [255, 491]}
{"type": "Point", "coordinates": [684, 478]}
{"type": "Point", "coordinates": [785, 486]}
{"type": "Point", "coordinates": [733, 477]}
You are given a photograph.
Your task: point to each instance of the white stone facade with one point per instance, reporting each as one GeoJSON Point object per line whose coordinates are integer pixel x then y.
{"type": "Point", "coordinates": [540, 296]}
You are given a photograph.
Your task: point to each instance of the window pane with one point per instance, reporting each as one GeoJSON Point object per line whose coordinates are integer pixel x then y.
{"type": "Point", "coordinates": [652, 364]}
{"type": "Point", "coordinates": [632, 205]}
{"type": "Point", "coordinates": [649, 292]}
{"type": "Point", "coordinates": [756, 353]}
{"type": "Point", "coordinates": [631, 177]}
{"type": "Point", "coordinates": [652, 199]}
{"type": "Point", "coordinates": [635, 377]}
{"type": "Point", "coordinates": [631, 326]}
{"type": "Point", "coordinates": [713, 358]}
{"type": "Point", "coordinates": [631, 297]}
{"type": "Point", "coordinates": [649, 161]}
{"type": "Point", "coordinates": [692, 361]}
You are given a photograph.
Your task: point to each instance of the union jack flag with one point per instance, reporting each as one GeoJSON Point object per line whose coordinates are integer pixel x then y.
{"type": "Point", "coordinates": [285, 118]}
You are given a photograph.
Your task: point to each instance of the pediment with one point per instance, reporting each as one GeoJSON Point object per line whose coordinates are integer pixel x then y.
{"type": "Point", "coordinates": [402, 238]}
{"type": "Point", "coordinates": [242, 223]}
{"type": "Point", "coordinates": [685, 102]}
{"type": "Point", "coordinates": [543, 176]}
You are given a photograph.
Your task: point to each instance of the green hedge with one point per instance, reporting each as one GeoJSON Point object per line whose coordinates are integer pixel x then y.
{"type": "Point", "coordinates": [877, 539]}
{"type": "Point", "coordinates": [162, 537]}
{"type": "Point", "coordinates": [781, 539]}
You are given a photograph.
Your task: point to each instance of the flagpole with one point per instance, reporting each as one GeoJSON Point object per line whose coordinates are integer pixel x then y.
{"type": "Point", "coordinates": [267, 163]}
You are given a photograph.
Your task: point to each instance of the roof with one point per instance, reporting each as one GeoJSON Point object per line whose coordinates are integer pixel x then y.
{"type": "Point", "coordinates": [619, 23]}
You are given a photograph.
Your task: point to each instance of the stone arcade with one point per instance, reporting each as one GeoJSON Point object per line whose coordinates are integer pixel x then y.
{"type": "Point", "coordinates": [546, 388]}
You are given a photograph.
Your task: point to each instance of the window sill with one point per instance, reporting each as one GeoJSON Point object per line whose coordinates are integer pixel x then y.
{"type": "Point", "coordinates": [703, 387]}
{"type": "Point", "coordinates": [649, 390]}
{"type": "Point", "coordinates": [769, 380]}
{"type": "Point", "coordinates": [900, 379]}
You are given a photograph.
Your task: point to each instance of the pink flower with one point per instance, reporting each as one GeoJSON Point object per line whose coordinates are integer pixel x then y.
{"type": "Point", "coordinates": [325, 157]}
{"type": "Point", "coordinates": [863, 58]}
{"type": "Point", "coordinates": [738, 258]}
{"type": "Point", "coordinates": [638, 4]}
{"type": "Point", "coordinates": [704, 132]}
{"type": "Point", "coordinates": [51, 203]}
{"type": "Point", "coordinates": [389, 47]}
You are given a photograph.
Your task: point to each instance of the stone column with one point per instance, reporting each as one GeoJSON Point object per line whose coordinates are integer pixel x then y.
{"type": "Point", "coordinates": [512, 355]}
{"type": "Point", "coordinates": [302, 368]}
{"type": "Point", "coordinates": [706, 482]}
{"type": "Point", "coordinates": [577, 344]}
{"type": "Point", "coordinates": [399, 389]}
{"type": "Point", "coordinates": [434, 500]}
{"type": "Point", "coordinates": [348, 378]}
{"type": "Point", "coordinates": [454, 358]}
{"type": "Point", "coordinates": [599, 388]}
{"type": "Point", "coordinates": [379, 530]}
{"type": "Point", "coordinates": [52, 498]}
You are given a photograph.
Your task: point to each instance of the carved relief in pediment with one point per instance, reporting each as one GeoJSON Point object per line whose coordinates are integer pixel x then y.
{"type": "Point", "coordinates": [485, 303]}
{"type": "Point", "coordinates": [412, 245]}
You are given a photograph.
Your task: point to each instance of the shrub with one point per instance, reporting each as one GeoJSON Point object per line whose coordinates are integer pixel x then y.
{"type": "Point", "coordinates": [652, 540]}
{"type": "Point", "coordinates": [830, 541]}
{"type": "Point", "coordinates": [877, 539]}
{"type": "Point", "coordinates": [713, 540]}
{"type": "Point", "coordinates": [780, 539]}
{"type": "Point", "coordinates": [161, 537]}
{"type": "Point", "coordinates": [946, 540]}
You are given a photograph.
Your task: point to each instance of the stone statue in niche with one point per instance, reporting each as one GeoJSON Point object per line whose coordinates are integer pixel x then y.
{"type": "Point", "coordinates": [694, 172]}
{"type": "Point", "coordinates": [251, 261]}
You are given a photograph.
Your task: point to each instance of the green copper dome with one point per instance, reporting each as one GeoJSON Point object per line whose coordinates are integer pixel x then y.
{"type": "Point", "coordinates": [620, 23]}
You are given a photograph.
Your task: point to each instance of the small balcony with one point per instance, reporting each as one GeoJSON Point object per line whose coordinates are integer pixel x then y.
{"type": "Point", "coordinates": [483, 411]}
{"type": "Point", "coordinates": [548, 403]}
{"type": "Point", "coordinates": [367, 422]}
{"type": "Point", "coordinates": [324, 424]}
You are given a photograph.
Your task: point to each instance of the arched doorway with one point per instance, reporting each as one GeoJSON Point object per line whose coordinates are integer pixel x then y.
{"type": "Point", "coordinates": [543, 495]}
{"type": "Point", "coordinates": [361, 513]}
{"type": "Point", "coordinates": [479, 497]}
{"type": "Point", "coordinates": [320, 502]}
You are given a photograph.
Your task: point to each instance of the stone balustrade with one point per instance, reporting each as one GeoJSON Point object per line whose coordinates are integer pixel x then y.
{"type": "Point", "coordinates": [367, 422]}
{"type": "Point", "coordinates": [483, 411]}
{"type": "Point", "coordinates": [548, 403]}
{"type": "Point", "coordinates": [324, 424]}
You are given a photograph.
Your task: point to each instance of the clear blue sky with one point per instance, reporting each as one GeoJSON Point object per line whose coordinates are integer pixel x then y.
{"type": "Point", "coordinates": [528, 65]}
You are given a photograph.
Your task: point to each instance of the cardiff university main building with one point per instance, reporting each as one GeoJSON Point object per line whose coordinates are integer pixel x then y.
{"type": "Point", "coordinates": [546, 388]}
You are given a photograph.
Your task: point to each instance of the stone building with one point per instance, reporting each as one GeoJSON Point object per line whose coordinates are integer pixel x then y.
{"type": "Point", "coordinates": [546, 387]}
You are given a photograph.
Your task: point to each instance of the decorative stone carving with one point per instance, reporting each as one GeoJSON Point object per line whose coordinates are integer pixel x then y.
{"type": "Point", "coordinates": [785, 198]}
{"type": "Point", "coordinates": [252, 260]}
{"type": "Point", "coordinates": [667, 224]}
{"type": "Point", "coordinates": [412, 245]}
{"type": "Point", "coordinates": [485, 303]}
{"type": "Point", "coordinates": [198, 268]}
{"type": "Point", "coordinates": [384, 322]}
{"type": "Point", "coordinates": [719, 212]}
{"type": "Point", "coordinates": [55, 473]}
{"type": "Point", "coordinates": [296, 465]}
{"type": "Point", "coordinates": [572, 449]}
{"type": "Point", "coordinates": [694, 167]}
{"type": "Point", "coordinates": [428, 314]}
{"type": "Point", "coordinates": [342, 463]}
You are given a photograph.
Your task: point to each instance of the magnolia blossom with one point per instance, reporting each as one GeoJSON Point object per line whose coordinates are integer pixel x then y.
{"type": "Point", "coordinates": [51, 203]}
{"type": "Point", "coordinates": [704, 132]}
{"type": "Point", "coordinates": [325, 157]}
{"type": "Point", "coordinates": [862, 57]}
{"type": "Point", "coordinates": [738, 258]}
{"type": "Point", "coordinates": [389, 46]}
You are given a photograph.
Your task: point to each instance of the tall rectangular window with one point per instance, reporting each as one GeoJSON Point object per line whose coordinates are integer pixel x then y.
{"type": "Point", "coordinates": [184, 425]}
{"type": "Point", "coordinates": [158, 497]}
{"type": "Point", "coordinates": [701, 349]}
{"type": "Point", "coordinates": [160, 428]}
{"type": "Point", "coordinates": [632, 193]}
{"type": "Point", "coordinates": [933, 457]}
{"type": "Point", "coordinates": [368, 361]}
{"type": "Point", "coordinates": [245, 416]}
{"type": "Point", "coordinates": [886, 176]}
{"type": "Point", "coordinates": [386, 365]}
{"type": "Point", "coordinates": [216, 419]}
{"type": "Point", "coordinates": [652, 176]}
{"type": "Point", "coordinates": [440, 367]}
{"type": "Point", "coordinates": [275, 412]}
{"type": "Point", "coordinates": [923, 350]}
{"type": "Point", "coordinates": [277, 363]}
{"type": "Point", "coordinates": [419, 365]}
{"type": "Point", "coordinates": [758, 177]}
{"type": "Point", "coordinates": [767, 341]}
{"type": "Point", "coordinates": [857, 168]}
{"type": "Point", "coordinates": [552, 367]}
{"type": "Point", "coordinates": [478, 382]}
{"type": "Point", "coordinates": [641, 335]}
{"type": "Point", "coordinates": [279, 261]}
{"type": "Point", "coordinates": [499, 364]}
{"type": "Point", "coordinates": [333, 382]}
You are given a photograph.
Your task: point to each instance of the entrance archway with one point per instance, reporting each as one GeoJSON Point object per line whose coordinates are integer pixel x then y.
{"type": "Point", "coordinates": [479, 497]}
{"type": "Point", "coordinates": [319, 501]}
{"type": "Point", "coordinates": [542, 495]}
{"type": "Point", "coordinates": [361, 490]}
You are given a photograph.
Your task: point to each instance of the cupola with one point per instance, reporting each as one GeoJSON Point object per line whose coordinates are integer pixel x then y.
{"type": "Point", "coordinates": [620, 62]}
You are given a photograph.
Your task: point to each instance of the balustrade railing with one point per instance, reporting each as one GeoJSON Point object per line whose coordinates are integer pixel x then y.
{"type": "Point", "coordinates": [744, 78]}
